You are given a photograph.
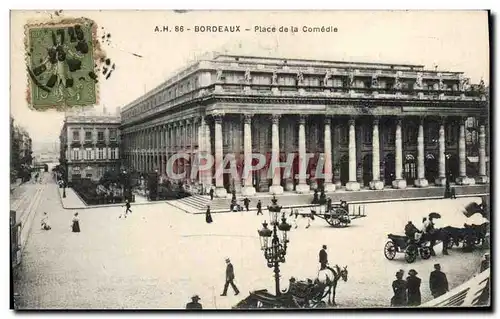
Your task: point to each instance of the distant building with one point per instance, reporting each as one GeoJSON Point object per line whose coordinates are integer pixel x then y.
{"type": "Point", "coordinates": [89, 145]}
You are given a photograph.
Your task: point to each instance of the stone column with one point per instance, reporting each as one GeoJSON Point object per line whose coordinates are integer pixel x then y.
{"type": "Point", "coordinates": [248, 189]}
{"type": "Point", "coordinates": [162, 149]}
{"type": "Point", "coordinates": [220, 191]}
{"type": "Point", "coordinates": [399, 182]}
{"type": "Point", "coordinates": [158, 150]}
{"type": "Point", "coordinates": [352, 185]}
{"type": "Point", "coordinates": [276, 187]}
{"type": "Point", "coordinates": [441, 179]}
{"type": "Point", "coordinates": [328, 185]}
{"type": "Point", "coordinates": [302, 186]}
{"type": "Point", "coordinates": [201, 150]}
{"type": "Point", "coordinates": [462, 179]}
{"type": "Point", "coordinates": [376, 183]}
{"type": "Point", "coordinates": [421, 181]}
{"type": "Point", "coordinates": [482, 178]}
{"type": "Point", "coordinates": [208, 149]}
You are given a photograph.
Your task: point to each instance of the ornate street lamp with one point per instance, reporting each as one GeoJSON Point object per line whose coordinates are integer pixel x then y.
{"type": "Point", "coordinates": [274, 242]}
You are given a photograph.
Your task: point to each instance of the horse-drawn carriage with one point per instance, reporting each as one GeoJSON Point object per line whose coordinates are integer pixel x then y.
{"type": "Point", "coordinates": [338, 215]}
{"type": "Point", "coordinates": [469, 236]}
{"type": "Point", "coordinates": [410, 247]}
{"type": "Point", "coordinates": [300, 294]}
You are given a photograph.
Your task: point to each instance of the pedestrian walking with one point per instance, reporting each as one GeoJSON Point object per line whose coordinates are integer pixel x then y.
{"type": "Point", "coordinates": [246, 202]}
{"type": "Point", "coordinates": [194, 304]}
{"type": "Point", "coordinates": [438, 283]}
{"type": "Point", "coordinates": [211, 192]}
{"type": "Point", "coordinates": [75, 224]}
{"type": "Point", "coordinates": [399, 288]}
{"type": "Point", "coordinates": [230, 279]}
{"type": "Point", "coordinates": [259, 208]}
{"type": "Point", "coordinates": [208, 216]}
{"type": "Point", "coordinates": [127, 209]}
{"type": "Point", "coordinates": [413, 285]}
{"type": "Point", "coordinates": [328, 204]}
{"type": "Point", "coordinates": [45, 222]}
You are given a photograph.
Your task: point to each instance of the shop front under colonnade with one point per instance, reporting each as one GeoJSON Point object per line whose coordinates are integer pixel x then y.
{"type": "Point", "coordinates": [334, 124]}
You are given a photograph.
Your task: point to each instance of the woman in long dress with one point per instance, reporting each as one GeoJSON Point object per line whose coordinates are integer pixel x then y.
{"type": "Point", "coordinates": [208, 216]}
{"type": "Point", "coordinates": [75, 226]}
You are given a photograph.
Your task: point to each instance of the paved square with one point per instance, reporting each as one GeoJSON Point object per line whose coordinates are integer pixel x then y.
{"type": "Point", "coordinates": [159, 256]}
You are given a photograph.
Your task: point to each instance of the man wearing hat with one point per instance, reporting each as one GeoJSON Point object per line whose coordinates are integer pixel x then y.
{"type": "Point", "coordinates": [229, 279]}
{"type": "Point", "coordinates": [323, 257]}
{"type": "Point", "coordinates": [194, 304]}
{"type": "Point", "coordinates": [438, 283]}
{"type": "Point", "coordinates": [399, 288]}
{"type": "Point", "coordinates": [413, 285]}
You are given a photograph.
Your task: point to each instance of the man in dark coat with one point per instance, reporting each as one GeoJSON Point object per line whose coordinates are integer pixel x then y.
{"type": "Point", "coordinates": [259, 207]}
{"type": "Point", "coordinates": [329, 204]}
{"type": "Point", "coordinates": [229, 279]}
{"type": "Point", "coordinates": [410, 231]}
{"type": "Point", "coordinates": [413, 285]}
{"type": "Point", "coordinates": [323, 257]}
{"type": "Point", "coordinates": [211, 192]}
{"type": "Point", "coordinates": [194, 304]}
{"type": "Point", "coordinates": [438, 283]}
{"type": "Point", "coordinates": [208, 216]}
{"type": "Point", "coordinates": [246, 202]}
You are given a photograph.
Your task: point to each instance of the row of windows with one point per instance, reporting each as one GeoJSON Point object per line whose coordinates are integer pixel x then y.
{"type": "Point", "coordinates": [185, 135]}
{"type": "Point", "coordinates": [100, 135]}
{"type": "Point", "coordinates": [92, 154]}
{"type": "Point", "coordinates": [165, 96]}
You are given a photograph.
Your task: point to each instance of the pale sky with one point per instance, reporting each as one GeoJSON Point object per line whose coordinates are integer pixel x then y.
{"type": "Point", "coordinates": [453, 40]}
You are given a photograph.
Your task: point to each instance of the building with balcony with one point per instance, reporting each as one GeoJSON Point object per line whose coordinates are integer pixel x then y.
{"type": "Point", "coordinates": [89, 145]}
{"type": "Point", "coordinates": [370, 125]}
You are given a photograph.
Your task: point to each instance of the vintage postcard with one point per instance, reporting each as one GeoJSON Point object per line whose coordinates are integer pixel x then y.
{"type": "Point", "coordinates": [250, 160]}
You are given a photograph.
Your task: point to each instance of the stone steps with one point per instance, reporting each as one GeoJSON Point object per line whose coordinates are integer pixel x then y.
{"type": "Point", "coordinates": [198, 203]}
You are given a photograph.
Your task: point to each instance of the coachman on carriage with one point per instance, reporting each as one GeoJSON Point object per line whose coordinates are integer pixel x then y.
{"type": "Point", "coordinates": [300, 294]}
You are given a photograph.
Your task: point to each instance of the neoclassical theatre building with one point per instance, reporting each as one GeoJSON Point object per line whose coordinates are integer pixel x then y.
{"type": "Point", "coordinates": [372, 125]}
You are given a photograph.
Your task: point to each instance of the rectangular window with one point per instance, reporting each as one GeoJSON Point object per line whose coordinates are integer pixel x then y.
{"type": "Point", "coordinates": [100, 154]}
{"type": "Point", "coordinates": [367, 135]}
{"type": "Point", "coordinates": [88, 154]}
{"type": "Point", "coordinates": [76, 153]}
{"type": "Point", "coordinates": [88, 136]}
{"type": "Point", "coordinates": [112, 135]}
{"type": "Point", "coordinates": [344, 135]}
{"type": "Point", "coordinates": [113, 154]}
{"type": "Point", "coordinates": [76, 136]}
{"type": "Point", "coordinates": [100, 136]}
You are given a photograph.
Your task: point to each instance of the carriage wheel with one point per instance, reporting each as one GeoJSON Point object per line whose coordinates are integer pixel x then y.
{"type": "Point", "coordinates": [425, 253]}
{"type": "Point", "coordinates": [333, 221]}
{"type": "Point", "coordinates": [411, 253]}
{"type": "Point", "coordinates": [390, 250]}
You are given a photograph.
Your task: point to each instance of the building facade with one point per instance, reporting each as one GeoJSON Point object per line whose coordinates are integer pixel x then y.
{"type": "Point", "coordinates": [369, 125]}
{"type": "Point", "coordinates": [89, 145]}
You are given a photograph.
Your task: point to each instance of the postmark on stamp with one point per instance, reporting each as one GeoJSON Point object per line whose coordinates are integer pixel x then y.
{"type": "Point", "coordinates": [61, 64]}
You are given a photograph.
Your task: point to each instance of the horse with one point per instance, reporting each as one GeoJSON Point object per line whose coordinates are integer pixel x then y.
{"type": "Point", "coordinates": [330, 277]}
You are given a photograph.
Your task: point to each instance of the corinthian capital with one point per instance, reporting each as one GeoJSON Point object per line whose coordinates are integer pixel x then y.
{"type": "Point", "coordinates": [302, 119]}
{"type": "Point", "coordinates": [247, 118]}
{"type": "Point", "coordinates": [218, 117]}
{"type": "Point", "coordinates": [275, 118]}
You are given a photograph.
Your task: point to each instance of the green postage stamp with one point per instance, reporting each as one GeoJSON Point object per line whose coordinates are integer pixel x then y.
{"type": "Point", "coordinates": [61, 64]}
